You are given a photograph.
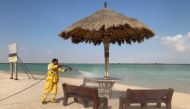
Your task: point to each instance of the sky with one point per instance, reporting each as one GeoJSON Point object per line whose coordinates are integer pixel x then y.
{"type": "Point", "coordinates": [35, 25]}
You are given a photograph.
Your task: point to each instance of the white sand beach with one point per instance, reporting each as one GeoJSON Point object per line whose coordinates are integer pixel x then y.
{"type": "Point", "coordinates": [30, 99]}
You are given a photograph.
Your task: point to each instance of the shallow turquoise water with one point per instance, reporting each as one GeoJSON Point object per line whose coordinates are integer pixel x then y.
{"type": "Point", "coordinates": [148, 75]}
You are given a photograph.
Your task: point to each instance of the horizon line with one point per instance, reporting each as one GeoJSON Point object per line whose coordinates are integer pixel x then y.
{"type": "Point", "coordinates": [109, 63]}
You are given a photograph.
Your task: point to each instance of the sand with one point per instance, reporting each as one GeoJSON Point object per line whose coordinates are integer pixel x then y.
{"type": "Point", "coordinates": [30, 99]}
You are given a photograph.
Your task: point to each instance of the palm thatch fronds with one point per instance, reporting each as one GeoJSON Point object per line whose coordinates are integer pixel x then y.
{"type": "Point", "coordinates": [107, 23]}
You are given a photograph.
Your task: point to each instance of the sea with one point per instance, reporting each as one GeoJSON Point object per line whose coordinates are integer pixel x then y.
{"type": "Point", "coordinates": [175, 76]}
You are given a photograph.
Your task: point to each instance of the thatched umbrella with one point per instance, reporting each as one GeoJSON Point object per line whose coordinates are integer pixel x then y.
{"type": "Point", "coordinates": [107, 26]}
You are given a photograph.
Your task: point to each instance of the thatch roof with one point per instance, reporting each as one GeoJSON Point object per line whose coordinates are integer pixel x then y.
{"type": "Point", "coordinates": [103, 23]}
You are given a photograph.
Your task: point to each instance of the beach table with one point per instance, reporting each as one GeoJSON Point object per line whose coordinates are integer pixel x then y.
{"type": "Point", "coordinates": [106, 86]}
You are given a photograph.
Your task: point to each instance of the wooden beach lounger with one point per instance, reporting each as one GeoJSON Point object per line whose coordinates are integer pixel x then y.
{"type": "Point", "coordinates": [86, 94]}
{"type": "Point", "coordinates": [147, 96]}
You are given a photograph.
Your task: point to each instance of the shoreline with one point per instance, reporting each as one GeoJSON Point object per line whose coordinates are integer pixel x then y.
{"type": "Point", "coordinates": [119, 63]}
{"type": "Point", "coordinates": [30, 99]}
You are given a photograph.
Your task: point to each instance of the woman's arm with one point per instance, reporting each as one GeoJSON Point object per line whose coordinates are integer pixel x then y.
{"type": "Point", "coordinates": [52, 67]}
{"type": "Point", "coordinates": [61, 69]}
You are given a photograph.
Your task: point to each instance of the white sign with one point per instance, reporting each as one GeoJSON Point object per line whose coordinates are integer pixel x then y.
{"type": "Point", "coordinates": [12, 52]}
{"type": "Point", "coordinates": [12, 59]}
{"type": "Point", "coordinates": [12, 48]}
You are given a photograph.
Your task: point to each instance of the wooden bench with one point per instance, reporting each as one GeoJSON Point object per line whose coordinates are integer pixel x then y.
{"type": "Point", "coordinates": [86, 94]}
{"type": "Point", "coordinates": [147, 96]}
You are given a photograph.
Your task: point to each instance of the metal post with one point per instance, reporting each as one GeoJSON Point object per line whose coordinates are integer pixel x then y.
{"type": "Point", "coordinates": [106, 55]}
{"type": "Point", "coordinates": [11, 70]}
{"type": "Point", "coordinates": [16, 75]}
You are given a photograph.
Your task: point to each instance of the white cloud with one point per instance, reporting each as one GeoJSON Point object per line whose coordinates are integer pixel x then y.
{"type": "Point", "coordinates": [180, 43]}
{"type": "Point", "coordinates": [156, 36]}
{"type": "Point", "coordinates": [50, 51]}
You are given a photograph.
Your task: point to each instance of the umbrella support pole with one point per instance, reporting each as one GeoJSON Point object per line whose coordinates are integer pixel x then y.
{"type": "Point", "coordinates": [106, 55]}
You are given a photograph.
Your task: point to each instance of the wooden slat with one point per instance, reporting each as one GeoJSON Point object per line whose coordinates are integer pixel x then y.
{"type": "Point", "coordinates": [147, 95]}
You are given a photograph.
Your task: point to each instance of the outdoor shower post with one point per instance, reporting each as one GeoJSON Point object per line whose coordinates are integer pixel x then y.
{"type": "Point", "coordinates": [106, 55]}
